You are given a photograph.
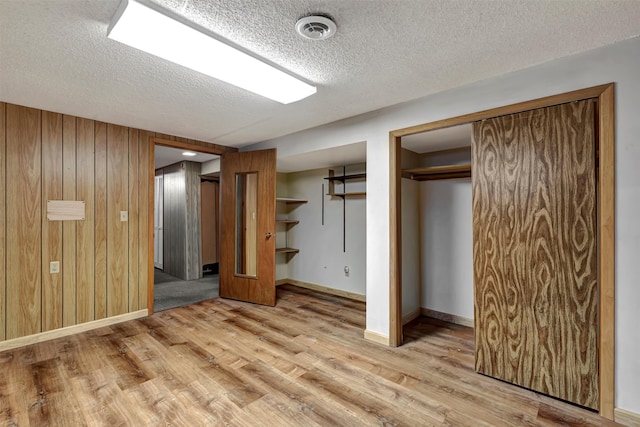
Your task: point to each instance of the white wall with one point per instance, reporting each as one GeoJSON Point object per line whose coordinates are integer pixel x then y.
{"type": "Point", "coordinates": [321, 259]}
{"type": "Point", "coordinates": [618, 63]}
{"type": "Point", "coordinates": [211, 166]}
{"type": "Point", "coordinates": [447, 246]}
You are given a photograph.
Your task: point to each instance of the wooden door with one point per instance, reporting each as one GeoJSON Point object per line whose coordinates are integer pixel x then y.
{"type": "Point", "coordinates": [535, 250]}
{"type": "Point", "coordinates": [209, 208]}
{"type": "Point", "coordinates": [247, 234]}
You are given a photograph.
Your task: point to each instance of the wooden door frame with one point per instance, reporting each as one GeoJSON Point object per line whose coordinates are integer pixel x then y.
{"type": "Point", "coordinates": [179, 144]}
{"type": "Point", "coordinates": [605, 210]}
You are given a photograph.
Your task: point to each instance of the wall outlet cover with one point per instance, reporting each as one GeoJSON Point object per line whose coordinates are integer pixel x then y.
{"type": "Point", "coordinates": [54, 267]}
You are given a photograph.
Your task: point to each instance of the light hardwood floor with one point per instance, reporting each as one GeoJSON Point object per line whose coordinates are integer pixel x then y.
{"type": "Point", "coordinates": [301, 363]}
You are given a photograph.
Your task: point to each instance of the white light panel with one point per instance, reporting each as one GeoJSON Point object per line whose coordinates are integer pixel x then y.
{"type": "Point", "coordinates": [145, 28]}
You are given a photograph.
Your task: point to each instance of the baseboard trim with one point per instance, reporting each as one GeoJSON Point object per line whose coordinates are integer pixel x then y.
{"type": "Point", "coordinates": [411, 316]}
{"type": "Point", "coordinates": [320, 288]}
{"type": "Point", "coordinates": [70, 330]}
{"type": "Point", "coordinates": [627, 418]}
{"type": "Point", "coordinates": [376, 337]}
{"type": "Point", "coordinates": [451, 318]}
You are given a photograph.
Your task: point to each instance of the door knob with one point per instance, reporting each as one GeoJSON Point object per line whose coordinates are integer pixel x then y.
{"type": "Point", "coordinates": [268, 235]}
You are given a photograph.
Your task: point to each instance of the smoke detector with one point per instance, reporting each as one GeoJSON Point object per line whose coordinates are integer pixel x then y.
{"type": "Point", "coordinates": [316, 27]}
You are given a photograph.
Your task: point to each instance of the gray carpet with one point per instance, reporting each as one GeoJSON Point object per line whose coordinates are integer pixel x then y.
{"type": "Point", "coordinates": [170, 292]}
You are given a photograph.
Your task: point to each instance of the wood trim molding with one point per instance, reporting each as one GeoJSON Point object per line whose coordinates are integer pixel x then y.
{"type": "Point", "coordinates": [411, 316]}
{"type": "Point", "coordinates": [325, 289]}
{"type": "Point", "coordinates": [376, 337]}
{"type": "Point", "coordinates": [606, 231]}
{"type": "Point", "coordinates": [395, 241]}
{"type": "Point", "coordinates": [191, 145]}
{"type": "Point", "coordinates": [627, 418]}
{"type": "Point", "coordinates": [446, 317]}
{"type": "Point", "coordinates": [150, 222]}
{"type": "Point", "coordinates": [70, 330]}
{"type": "Point", "coordinates": [548, 101]}
{"type": "Point", "coordinates": [606, 218]}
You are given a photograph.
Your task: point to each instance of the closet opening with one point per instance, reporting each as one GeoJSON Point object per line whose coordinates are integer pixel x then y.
{"type": "Point", "coordinates": [437, 264]}
{"type": "Point", "coordinates": [604, 211]}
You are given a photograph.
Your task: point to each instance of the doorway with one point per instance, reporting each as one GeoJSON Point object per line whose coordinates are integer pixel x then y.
{"type": "Point", "coordinates": [604, 112]}
{"type": "Point", "coordinates": [180, 274]}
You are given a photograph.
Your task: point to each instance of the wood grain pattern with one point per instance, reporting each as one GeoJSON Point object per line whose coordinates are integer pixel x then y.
{"type": "Point", "coordinates": [191, 144]}
{"type": "Point", "coordinates": [535, 258]}
{"type": "Point", "coordinates": [65, 210]}
{"type": "Point", "coordinates": [85, 231]}
{"type": "Point", "coordinates": [303, 362]}
{"type": "Point", "coordinates": [145, 256]}
{"type": "Point", "coordinates": [52, 248]}
{"type": "Point", "coordinates": [438, 172]}
{"type": "Point", "coordinates": [261, 289]}
{"type": "Point", "coordinates": [607, 240]}
{"type": "Point", "coordinates": [54, 156]}
{"type": "Point", "coordinates": [117, 230]}
{"type": "Point", "coordinates": [606, 190]}
{"type": "Point", "coordinates": [134, 224]}
{"type": "Point", "coordinates": [100, 203]}
{"type": "Point", "coordinates": [323, 289]}
{"type": "Point", "coordinates": [209, 208]}
{"type": "Point", "coordinates": [69, 228]}
{"type": "Point", "coordinates": [24, 207]}
{"type": "Point", "coordinates": [3, 242]}
{"type": "Point", "coordinates": [395, 242]}
{"type": "Point", "coordinates": [627, 418]}
{"type": "Point", "coordinates": [547, 101]}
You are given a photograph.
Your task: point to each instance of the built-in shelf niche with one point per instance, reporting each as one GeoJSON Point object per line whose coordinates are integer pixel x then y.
{"type": "Point", "coordinates": [287, 223]}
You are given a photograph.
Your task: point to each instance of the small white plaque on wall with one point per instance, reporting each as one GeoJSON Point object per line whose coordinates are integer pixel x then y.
{"type": "Point", "coordinates": [65, 210]}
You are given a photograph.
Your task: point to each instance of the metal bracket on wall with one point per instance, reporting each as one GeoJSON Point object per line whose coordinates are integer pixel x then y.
{"type": "Point", "coordinates": [342, 179]}
{"type": "Point", "coordinates": [322, 198]}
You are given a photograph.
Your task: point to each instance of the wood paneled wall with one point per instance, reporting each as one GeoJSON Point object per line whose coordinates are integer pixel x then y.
{"type": "Point", "coordinates": [25, 235]}
{"type": "Point", "coordinates": [3, 222]}
{"type": "Point", "coordinates": [104, 262]}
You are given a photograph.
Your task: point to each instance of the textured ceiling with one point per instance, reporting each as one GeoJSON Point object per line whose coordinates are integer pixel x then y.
{"type": "Point", "coordinates": [55, 55]}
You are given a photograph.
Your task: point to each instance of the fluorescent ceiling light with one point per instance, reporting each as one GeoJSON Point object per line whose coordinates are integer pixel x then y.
{"type": "Point", "coordinates": [189, 153]}
{"type": "Point", "coordinates": [146, 27]}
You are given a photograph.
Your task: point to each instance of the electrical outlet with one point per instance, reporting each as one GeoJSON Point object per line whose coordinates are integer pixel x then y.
{"type": "Point", "coordinates": [54, 267]}
{"type": "Point", "coordinates": [124, 216]}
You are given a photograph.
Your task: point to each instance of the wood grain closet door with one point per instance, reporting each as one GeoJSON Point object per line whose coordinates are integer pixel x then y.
{"type": "Point", "coordinates": [535, 250]}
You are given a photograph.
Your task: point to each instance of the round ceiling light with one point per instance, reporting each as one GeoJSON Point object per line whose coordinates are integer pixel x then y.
{"type": "Point", "coordinates": [316, 27]}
